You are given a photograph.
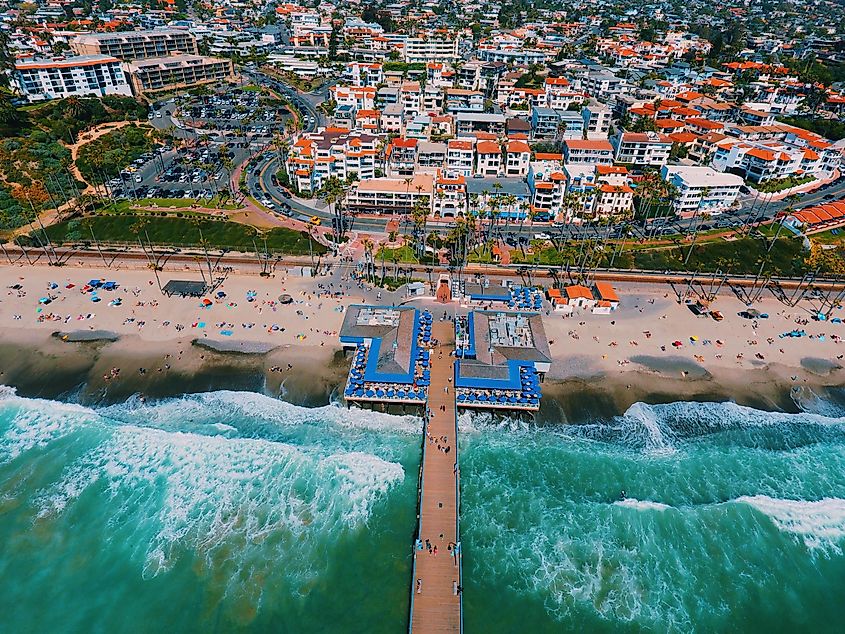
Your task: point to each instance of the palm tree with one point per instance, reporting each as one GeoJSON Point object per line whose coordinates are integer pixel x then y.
{"type": "Point", "coordinates": [698, 218]}
{"type": "Point", "coordinates": [792, 198]}
{"type": "Point", "coordinates": [88, 223]}
{"type": "Point", "coordinates": [368, 245]}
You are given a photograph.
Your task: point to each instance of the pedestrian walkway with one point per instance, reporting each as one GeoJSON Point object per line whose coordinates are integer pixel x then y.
{"type": "Point", "coordinates": [435, 587]}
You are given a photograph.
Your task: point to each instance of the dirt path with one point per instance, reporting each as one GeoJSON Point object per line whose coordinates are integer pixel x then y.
{"type": "Point", "coordinates": [87, 137]}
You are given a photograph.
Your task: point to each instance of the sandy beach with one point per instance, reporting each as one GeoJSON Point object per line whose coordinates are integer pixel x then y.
{"type": "Point", "coordinates": [159, 343]}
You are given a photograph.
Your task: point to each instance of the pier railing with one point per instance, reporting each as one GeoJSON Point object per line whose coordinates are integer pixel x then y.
{"type": "Point", "coordinates": [418, 538]}
{"type": "Point", "coordinates": [459, 558]}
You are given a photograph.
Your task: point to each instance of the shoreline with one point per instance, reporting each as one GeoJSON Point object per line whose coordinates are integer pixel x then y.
{"type": "Point", "coordinates": [79, 371]}
{"type": "Point", "coordinates": [651, 349]}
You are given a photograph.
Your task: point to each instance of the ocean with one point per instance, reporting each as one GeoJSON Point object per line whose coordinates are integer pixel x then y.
{"type": "Point", "coordinates": [236, 512]}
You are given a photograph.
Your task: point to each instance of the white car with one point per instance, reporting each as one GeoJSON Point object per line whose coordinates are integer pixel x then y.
{"type": "Point", "coordinates": [542, 236]}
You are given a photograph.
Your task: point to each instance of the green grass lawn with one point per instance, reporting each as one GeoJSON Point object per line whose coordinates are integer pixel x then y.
{"type": "Point", "coordinates": [771, 186]}
{"type": "Point", "coordinates": [183, 232]}
{"type": "Point", "coordinates": [404, 254]}
{"type": "Point", "coordinates": [208, 203]}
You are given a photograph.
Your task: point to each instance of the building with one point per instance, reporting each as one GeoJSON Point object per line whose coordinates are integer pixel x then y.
{"type": "Point", "coordinates": [467, 123]}
{"type": "Point", "coordinates": [701, 189]}
{"type": "Point", "coordinates": [315, 158]}
{"type": "Point", "coordinates": [81, 76]}
{"type": "Point", "coordinates": [132, 45]}
{"type": "Point", "coordinates": [597, 119]}
{"type": "Point", "coordinates": [431, 49]}
{"type": "Point", "coordinates": [503, 351]}
{"type": "Point", "coordinates": [177, 71]}
{"type": "Point", "coordinates": [391, 195]}
{"type": "Point", "coordinates": [644, 149]}
{"type": "Point", "coordinates": [582, 151]}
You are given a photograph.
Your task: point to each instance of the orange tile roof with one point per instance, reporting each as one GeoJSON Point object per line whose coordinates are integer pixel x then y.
{"type": "Point", "coordinates": [606, 292]}
{"type": "Point", "coordinates": [576, 291]}
{"type": "Point", "coordinates": [488, 147]}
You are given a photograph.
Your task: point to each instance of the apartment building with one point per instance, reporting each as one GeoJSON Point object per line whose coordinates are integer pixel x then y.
{"type": "Point", "coordinates": [391, 195]}
{"type": "Point", "coordinates": [358, 97]}
{"type": "Point", "coordinates": [132, 45]}
{"type": "Point", "coordinates": [431, 49]}
{"type": "Point", "coordinates": [597, 118]}
{"type": "Point", "coordinates": [547, 123]}
{"type": "Point", "coordinates": [547, 183]}
{"type": "Point", "coordinates": [315, 158]}
{"type": "Point", "coordinates": [460, 157]}
{"type": "Point", "coordinates": [585, 151]}
{"type": "Point", "coordinates": [701, 189]}
{"type": "Point", "coordinates": [177, 71]}
{"type": "Point", "coordinates": [391, 119]}
{"type": "Point", "coordinates": [560, 94]}
{"type": "Point", "coordinates": [410, 97]}
{"type": "Point", "coordinates": [489, 156]}
{"type": "Point", "coordinates": [763, 161]}
{"type": "Point", "coordinates": [461, 100]}
{"type": "Point", "coordinates": [614, 195]}
{"type": "Point", "coordinates": [517, 158]}
{"type": "Point", "coordinates": [468, 123]}
{"type": "Point", "coordinates": [603, 86]}
{"type": "Point", "coordinates": [431, 156]}
{"type": "Point", "coordinates": [401, 156]}
{"type": "Point", "coordinates": [362, 74]}
{"type": "Point", "coordinates": [81, 76]}
{"type": "Point", "coordinates": [644, 149]}
{"type": "Point", "coordinates": [450, 194]}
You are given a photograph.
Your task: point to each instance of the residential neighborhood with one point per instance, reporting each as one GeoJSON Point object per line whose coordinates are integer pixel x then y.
{"type": "Point", "coordinates": [656, 117]}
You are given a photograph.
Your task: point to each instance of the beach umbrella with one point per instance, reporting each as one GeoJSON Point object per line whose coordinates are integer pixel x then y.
{"type": "Point", "coordinates": [206, 302]}
{"type": "Point", "coordinates": [285, 299]}
{"type": "Point", "coordinates": [221, 294]}
{"type": "Point", "coordinates": [44, 300]}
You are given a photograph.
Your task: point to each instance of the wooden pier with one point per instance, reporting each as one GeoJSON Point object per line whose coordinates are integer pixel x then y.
{"type": "Point", "coordinates": [435, 586]}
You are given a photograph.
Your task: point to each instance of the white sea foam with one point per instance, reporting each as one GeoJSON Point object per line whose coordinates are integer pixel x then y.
{"type": "Point", "coordinates": [6, 391]}
{"type": "Point", "coordinates": [820, 523]}
{"type": "Point", "coordinates": [642, 505]}
{"type": "Point", "coordinates": [210, 407]}
{"type": "Point", "coordinates": [642, 425]}
{"type": "Point", "coordinates": [35, 423]}
{"type": "Point", "coordinates": [218, 498]}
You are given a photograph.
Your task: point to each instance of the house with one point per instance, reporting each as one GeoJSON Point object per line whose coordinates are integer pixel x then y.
{"type": "Point", "coordinates": [489, 156]}
{"type": "Point", "coordinates": [606, 293]}
{"type": "Point", "coordinates": [579, 296]}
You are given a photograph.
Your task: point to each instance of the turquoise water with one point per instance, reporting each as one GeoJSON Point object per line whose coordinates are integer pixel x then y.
{"type": "Point", "coordinates": [733, 521]}
{"type": "Point", "coordinates": [234, 512]}
{"type": "Point", "coordinates": [212, 513]}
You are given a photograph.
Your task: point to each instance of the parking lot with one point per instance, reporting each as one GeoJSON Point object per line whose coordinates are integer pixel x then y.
{"type": "Point", "coordinates": [231, 111]}
{"type": "Point", "coordinates": [198, 172]}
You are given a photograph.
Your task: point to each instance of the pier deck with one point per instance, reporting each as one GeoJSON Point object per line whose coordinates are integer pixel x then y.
{"type": "Point", "coordinates": [436, 606]}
